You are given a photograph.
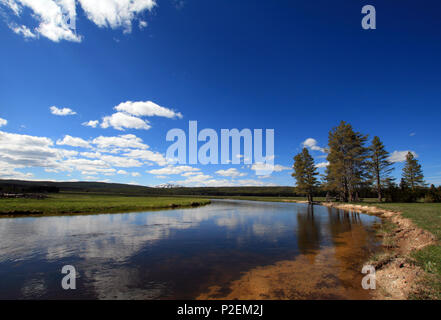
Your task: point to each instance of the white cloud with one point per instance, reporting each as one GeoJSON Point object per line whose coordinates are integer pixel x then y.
{"type": "Point", "coordinates": [121, 121]}
{"type": "Point", "coordinates": [322, 164]}
{"type": "Point", "coordinates": [69, 153]}
{"type": "Point", "coordinates": [312, 144]}
{"type": "Point", "coordinates": [142, 24]}
{"type": "Point", "coordinates": [57, 18]}
{"type": "Point", "coordinates": [51, 17]}
{"type": "Point", "coordinates": [169, 170]}
{"type": "Point", "coordinates": [400, 156]}
{"type": "Point", "coordinates": [7, 172]}
{"type": "Point", "coordinates": [62, 112]}
{"type": "Point", "coordinates": [121, 161]}
{"type": "Point", "coordinates": [115, 13]}
{"type": "Point", "coordinates": [3, 122]}
{"type": "Point", "coordinates": [203, 180]}
{"type": "Point", "coordinates": [146, 109]}
{"type": "Point", "coordinates": [92, 155]}
{"type": "Point", "coordinates": [267, 167]}
{"type": "Point", "coordinates": [27, 151]}
{"type": "Point", "coordinates": [73, 142]}
{"type": "Point", "coordinates": [135, 174]}
{"type": "Point", "coordinates": [91, 123]}
{"type": "Point", "coordinates": [147, 155]}
{"type": "Point", "coordinates": [121, 141]}
{"type": "Point", "coordinates": [23, 30]}
{"type": "Point", "coordinates": [232, 172]}
{"type": "Point", "coordinates": [121, 172]}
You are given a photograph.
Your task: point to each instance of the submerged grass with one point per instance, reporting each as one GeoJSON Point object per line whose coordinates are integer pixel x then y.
{"type": "Point", "coordinates": [78, 204]}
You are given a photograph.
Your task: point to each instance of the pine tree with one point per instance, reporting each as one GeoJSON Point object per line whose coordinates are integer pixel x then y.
{"type": "Point", "coordinates": [347, 169]}
{"type": "Point", "coordinates": [379, 166]}
{"type": "Point", "coordinates": [412, 172]}
{"type": "Point", "coordinates": [305, 173]}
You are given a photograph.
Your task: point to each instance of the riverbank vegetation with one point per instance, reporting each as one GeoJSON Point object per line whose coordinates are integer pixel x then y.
{"type": "Point", "coordinates": [77, 204]}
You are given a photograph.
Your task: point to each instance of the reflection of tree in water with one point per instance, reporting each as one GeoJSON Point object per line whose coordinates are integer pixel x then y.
{"type": "Point", "coordinates": [342, 221]}
{"type": "Point", "coordinates": [308, 233]}
{"type": "Point", "coordinates": [350, 241]}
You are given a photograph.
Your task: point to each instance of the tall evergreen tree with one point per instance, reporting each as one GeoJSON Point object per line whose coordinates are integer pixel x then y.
{"type": "Point", "coordinates": [379, 166]}
{"type": "Point", "coordinates": [347, 169]}
{"type": "Point", "coordinates": [305, 173]}
{"type": "Point", "coordinates": [412, 172]}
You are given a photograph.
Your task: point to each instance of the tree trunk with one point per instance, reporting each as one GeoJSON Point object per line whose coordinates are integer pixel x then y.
{"type": "Point", "coordinates": [380, 197]}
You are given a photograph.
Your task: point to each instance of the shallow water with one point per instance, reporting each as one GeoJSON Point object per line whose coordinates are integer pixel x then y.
{"type": "Point", "coordinates": [229, 249]}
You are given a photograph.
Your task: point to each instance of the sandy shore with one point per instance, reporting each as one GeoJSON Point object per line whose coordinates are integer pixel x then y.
{"type": "Point", "coordinates": [396, 277]}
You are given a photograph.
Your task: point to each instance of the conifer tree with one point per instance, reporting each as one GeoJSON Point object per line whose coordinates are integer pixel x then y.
{"type": "Point", "coordinates": [379, 166]}
{"type": "Point", "coordinates": [412, 173]}
{"type": "Point", "coordinates": [305, 173]}
{"type": "Point", "coordinates": [347, 169]}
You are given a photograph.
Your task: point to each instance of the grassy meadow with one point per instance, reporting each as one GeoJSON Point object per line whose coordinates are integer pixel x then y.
{"type": "Point", "coordinates": [78, 204]}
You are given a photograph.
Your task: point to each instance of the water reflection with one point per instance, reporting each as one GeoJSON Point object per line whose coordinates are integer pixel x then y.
{"type": "Point", "coordinates": [167, 254]}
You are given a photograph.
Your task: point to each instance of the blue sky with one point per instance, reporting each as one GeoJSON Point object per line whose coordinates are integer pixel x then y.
{"type": "Point", "coordinates": [298, 67]}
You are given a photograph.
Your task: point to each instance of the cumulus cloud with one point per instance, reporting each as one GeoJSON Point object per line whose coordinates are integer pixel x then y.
{"type": "Point", "coordinates": [3, 122]}
{"type": "Point", "coordinates": [142, 24]}
{"type": "Point", "coordinates": [322, 164]}
{"type": "Point", "coordinates": [232, 172]}
{"type": "Point", "coordinates": [23, 30]}
{"type": "Point", "coordinates": [57, 18]}
{"type": "Point", "coordinates": [118, 161]}
{"type": "Point", "coordinates": [312, 144]}
{"type": "Point", "coordinates": [204, 180]}
{"type": "Point", "coordinates": [146, 109]}
{"type": "Point", "coordinates": [19, 151]}
{"type": "Point", "coordinates": [62, 112]}
{"type": "Point", "coordinates": [400, 156]}
{"type": "Point", "coordinates": [263, 168]}
{"type": "Point", "coordinates": [91, 123]}
{"type": "Point", "coordinates": [172, 170]}
{"type": "Point", "coordinates": [147, 155]}
{"type": "Point", "coordinates": [115, 13]}
{"type": "Point", "coordinates": [92, 155]}
{"type": "Point", "coordinates": [73, 142]}
{"type": "Point", "coordinates": [27, 151]}
{"type": "Point", "coordinates": [121, 121]}
{"type": "Point", "coordinates": [121, 141]}
{"type": "Point", "coordinates": [54, 18]}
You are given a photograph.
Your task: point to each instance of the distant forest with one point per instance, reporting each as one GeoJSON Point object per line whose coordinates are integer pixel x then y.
{"type": "Point", "coordinates": [19, 186]}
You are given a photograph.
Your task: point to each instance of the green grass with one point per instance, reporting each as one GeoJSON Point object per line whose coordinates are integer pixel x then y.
{"type": "Point", "coordinates": [263, 198]}
{"type": "Point", "coordinates": [78, 204]}
{"type": "Point", "coordinates": [425, 215]}
{"type": "Point", "coordinates": [429, 258]}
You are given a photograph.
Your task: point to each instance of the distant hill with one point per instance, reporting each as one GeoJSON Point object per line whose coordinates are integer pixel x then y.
{"type": "Point", "coordinates": [21, 186]}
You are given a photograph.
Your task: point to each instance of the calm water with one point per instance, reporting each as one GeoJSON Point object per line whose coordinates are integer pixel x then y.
{"type": "Point", "coordinates": [229, 249]}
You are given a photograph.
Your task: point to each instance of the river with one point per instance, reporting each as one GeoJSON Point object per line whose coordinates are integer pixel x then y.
{"type": "Point", "coordinates": [229, 249]}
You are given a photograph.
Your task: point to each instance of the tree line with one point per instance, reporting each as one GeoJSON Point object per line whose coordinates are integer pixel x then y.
{"type": "Point", "coordinates": [355, 166]}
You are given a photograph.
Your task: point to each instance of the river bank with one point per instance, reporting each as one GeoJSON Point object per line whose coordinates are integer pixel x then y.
{"type": "Point", "coordinates": [67, 204]}
{"type": "Point", "coordinates": [398, 274]}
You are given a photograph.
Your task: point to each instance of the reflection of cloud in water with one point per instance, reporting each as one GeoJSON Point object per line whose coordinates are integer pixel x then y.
{"type": "Point", "coordinates": [34, 288]}
{"type": "Point", "coordinates": [101, 246]}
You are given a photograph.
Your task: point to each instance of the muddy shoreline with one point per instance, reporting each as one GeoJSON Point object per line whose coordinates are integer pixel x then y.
{"type": "Point", "coordinates": [397, 277]}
